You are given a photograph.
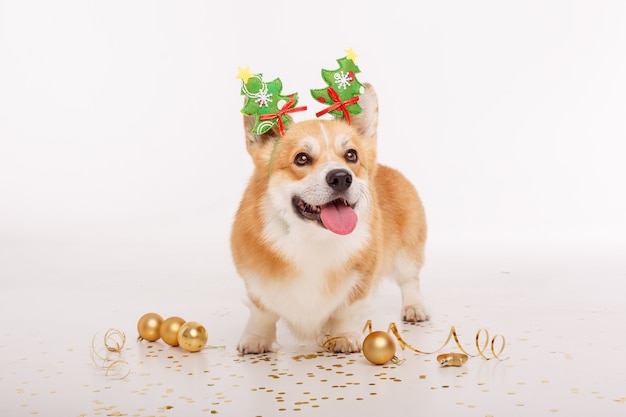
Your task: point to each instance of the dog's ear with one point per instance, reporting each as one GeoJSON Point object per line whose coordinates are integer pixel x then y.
{"type": "Point", "coordinates": [254, 141]}
{"type": "Point", "coordinates": [366, 122]}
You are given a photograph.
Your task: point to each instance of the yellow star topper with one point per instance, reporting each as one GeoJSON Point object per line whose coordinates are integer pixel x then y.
{"type": "Point", "coordinates": [244, 74]}
{"type": "Point", "coordinates": [351, 55]}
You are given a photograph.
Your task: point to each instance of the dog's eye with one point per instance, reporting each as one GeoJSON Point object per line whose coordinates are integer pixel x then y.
{"type": "Point", "coordinates": [351, 156]}
{"type": "Point", "coordinates": [302, 159]}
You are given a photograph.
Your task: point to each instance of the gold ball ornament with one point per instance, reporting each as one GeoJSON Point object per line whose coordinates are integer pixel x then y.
{"type": "Point", "coordinates": [192, 336]}
{"type": "Point", "coordinates": [169, 330]}
{"type": "Point", "coordinates": [149, 327]}
{"type": "Point", "coordinates": [379, 347]}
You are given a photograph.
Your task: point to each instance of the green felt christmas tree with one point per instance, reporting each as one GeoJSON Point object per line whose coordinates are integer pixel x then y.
{"type": "Point", "coordinates": [266, 102]}
{"type": "Point", "coordinates": [343, 89]}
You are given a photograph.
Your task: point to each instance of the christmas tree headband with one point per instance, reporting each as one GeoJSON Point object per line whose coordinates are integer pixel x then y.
{"type": "Point", "coordinates": [265, 100]}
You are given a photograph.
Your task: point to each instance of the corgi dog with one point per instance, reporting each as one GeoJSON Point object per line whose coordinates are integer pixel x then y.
{"type": "Point", "coordinates": [319, 225]}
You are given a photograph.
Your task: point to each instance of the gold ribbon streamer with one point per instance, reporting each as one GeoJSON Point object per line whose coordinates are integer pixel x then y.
{"type": "Point", "coordinates": [481, 349]}
{"type": "Point", "coordinates": [107, 356]}
{"type": "Point", "coordinates": [327, 339]}
{"type": "Point", "coordinates": [453, 335]}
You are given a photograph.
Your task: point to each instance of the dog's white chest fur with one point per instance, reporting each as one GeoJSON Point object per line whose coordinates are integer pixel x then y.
{"type": "Point", "coordinates": [306, 300]}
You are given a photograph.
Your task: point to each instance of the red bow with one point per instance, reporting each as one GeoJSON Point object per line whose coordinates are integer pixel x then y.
{"type": "Point", "coordinates": [338, 104]}
{"type": "Point", "coordinates": [285, 110]}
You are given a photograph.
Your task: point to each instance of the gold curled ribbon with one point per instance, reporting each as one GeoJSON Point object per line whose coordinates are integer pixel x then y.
{"type": "Point", "coordinates": [452, 335]}
{"type": "Point", "coordinates": [114, 340]}
{"type": "Point", "coordinates": [107, 356]}
{"type": "Point", "coordinates": [328, 339]}
{"type": "Point", "coordinates": [481, 349]}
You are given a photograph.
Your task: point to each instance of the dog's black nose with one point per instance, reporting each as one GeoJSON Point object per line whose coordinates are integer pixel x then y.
{"type": "Point", "coordinates": [339, 179]}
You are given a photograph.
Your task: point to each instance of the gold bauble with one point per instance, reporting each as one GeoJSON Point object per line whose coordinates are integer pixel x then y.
{"type": "Point", "coordinates": [169, 330]}
{"type": "Point", "coordinates": [379, 347]}
{"type": "Point", "coordinates": [192, 336]}
{"type": "Point", "coordinates": [149, 326]}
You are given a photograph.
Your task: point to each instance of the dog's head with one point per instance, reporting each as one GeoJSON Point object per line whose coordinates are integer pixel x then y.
{"type": "Point", "coordinates": [318, 173]}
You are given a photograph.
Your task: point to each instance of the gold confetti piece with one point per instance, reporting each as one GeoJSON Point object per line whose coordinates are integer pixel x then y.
{"type": "Point", "coordinates": [452, 359]}
{"type": "Point", "coordinates": [309, 356]}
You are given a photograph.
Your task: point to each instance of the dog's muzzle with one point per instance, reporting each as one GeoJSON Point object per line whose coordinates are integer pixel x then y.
{"type": "Point", "coordinates": [337, 215]}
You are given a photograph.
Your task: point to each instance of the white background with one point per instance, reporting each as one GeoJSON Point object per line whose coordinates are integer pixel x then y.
{"type": "Point", "coordinates": [120, 120]}
{"type": "Point", "coordinates": [122, 162]}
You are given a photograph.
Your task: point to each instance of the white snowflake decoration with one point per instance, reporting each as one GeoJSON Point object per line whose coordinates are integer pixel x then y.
{"type": "Point", "coordinates": [263, 97]}
{"type": "Point", "coordinates": [342, 79]}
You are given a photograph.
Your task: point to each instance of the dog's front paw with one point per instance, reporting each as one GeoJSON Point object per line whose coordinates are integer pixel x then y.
{"type": "Point", "coordinates": [415, 313]}
{"type": "Point", "coordinates": [343, 344]}
{"type": "Point", "coordinates": [254, 344]}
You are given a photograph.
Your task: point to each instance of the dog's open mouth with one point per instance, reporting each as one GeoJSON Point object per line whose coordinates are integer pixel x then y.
{"type": "Point", "coordinates": [338, 216]}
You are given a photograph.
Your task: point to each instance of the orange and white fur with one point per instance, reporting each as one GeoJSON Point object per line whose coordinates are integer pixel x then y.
{"type": "Point", "coordinates": [318, 226]}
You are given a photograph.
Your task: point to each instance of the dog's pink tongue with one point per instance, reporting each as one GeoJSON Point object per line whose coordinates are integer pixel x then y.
{"type": "Point", "coordinates": [339, 218]}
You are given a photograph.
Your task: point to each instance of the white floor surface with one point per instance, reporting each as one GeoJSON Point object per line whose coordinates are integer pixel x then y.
{"type": "Point", "coordinates": [560, 310]}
